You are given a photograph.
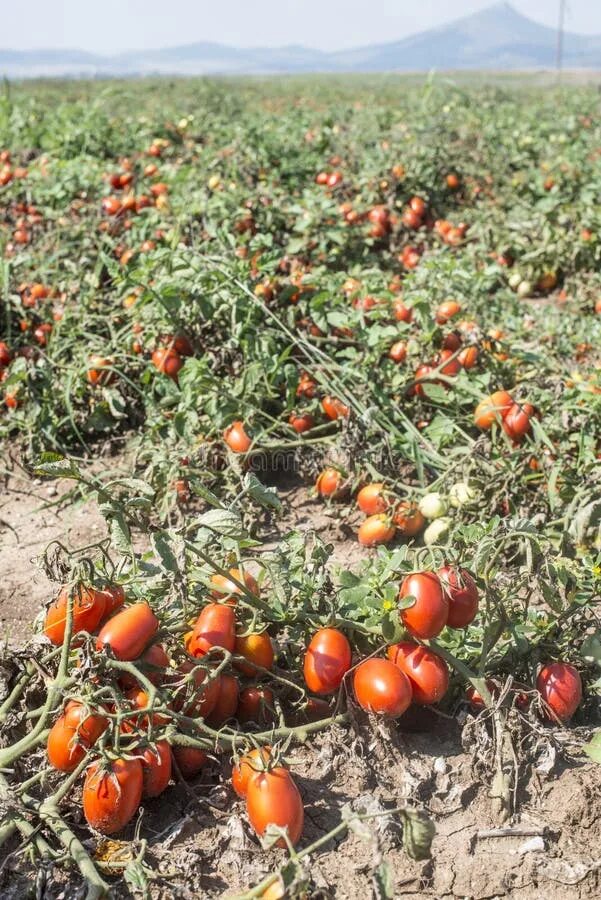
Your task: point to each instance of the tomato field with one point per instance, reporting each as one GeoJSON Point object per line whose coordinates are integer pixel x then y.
{"type": "Point", "coordinates": [317, 364]}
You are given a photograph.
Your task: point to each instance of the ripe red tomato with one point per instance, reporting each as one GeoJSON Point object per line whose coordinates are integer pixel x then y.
{"type": "Point", "coordinates": [42, 333]}
{"type": "Point", "coordinates": [452, 181]}
{"type": "Point", "coordinates": [428, 615]}
{"type": "Point", "coordinates": [189, 760]}
{"type": "Point", "coordinates": [301, 422]}
{"type": "Point", "coordinates": [115, 598]}
{"type": "Point", "coordinates": [193, 692]}
{"type": "Point", "coordinates": [223, 588]}
{"type": "Point", "coordinates": [475, 697]}
{"type": "Point", "coordinates": [378, 215]}
{"type": "Point", "coordinates": [411, 219]}
{"type": "Point", "coordinates": [401, 312]}
{"type": "Point", "coordinates": [129, 632]}
{"type": "Point", "coordinates": [73, 733]}
{"type": "Point", "coordinates": [64, 753]}
{"type": "Point", "coordinates": [492, 409]}
{"type": "Point", "coordinates": [334, 408]}
{"type": "Point", "coordinates": [366, 303]}
{"type": "Point", "coordinates": [380, 687]}
{"type": "Point", "coordinates": [372, 499]}
{"type": "Point", "coordinates": [248, 766]}
{"type": "Point", "coordinates": [89, 608]}
{"type": "Point", "coordinates": [89, 725]}
{"type": "Point", "coordinates": [168, 361]}
{"type": "Point", "coordinates": [156, 769]}
{"type": "Point", "coordinates": [111, 206]}
{"type": "Point", "coordinates": [560, 687]}
{"type": "Point", "coordinates": [421, 375]}
{"type": "Point", "coordinates": [517, 421]}
{"type": "Point", "coordinates": [5, 354]}
{"type": "Point", "coordinates": [139, 700]}
{"type": "Point", "coordinates": [408, 519]}
{"type": "Point", "coordinates": [313, 710]}
{"type": "Point", "coordinates": [375, 530]}
{"type": "Point", "coordinates": [446, 311]}
{"type": "Point", "coordinates": [462, 593]}
{"type": "Point", "coordinates": [307, 387]}
{"type": "Point", "coordinates": [256, 705]}
{"type": "Point", "coordinates": [215, 627]}
{"type": "Point", "coordinates": [450, 368]}
{"type": "Point", "coordinates": [418, 205]}
{"type": "Point", "coordinates": [272, 798]}
{"type": "Point", "coordinates": [329, 483]}
{"type": "Point", "coordinates": [257, 649]}
{"type": "Point", "coordinates": [112, 795]}
{"type": "Point", "coordinates": [327, 659]}
{"type": "Point", "coordinates": [143, 202]}
{"type": "Point", "coordinates": [236, 438]}
{"type": "Point", "coordinates": [452, 341]}
{"type": "Point", "coordinates": [468, 357]}
{"type": "Point", "coordinates": [153, 662]}
{"type": "Point", "coordinates": [226, 702]}
{"type": "Point", "coordinates": [427, 672]}
{"type": "Point", "coordinates": [398, 352]}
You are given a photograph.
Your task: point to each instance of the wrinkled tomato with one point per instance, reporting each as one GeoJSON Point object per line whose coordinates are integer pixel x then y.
{"type": "Point", "coordinates": [111, 796]}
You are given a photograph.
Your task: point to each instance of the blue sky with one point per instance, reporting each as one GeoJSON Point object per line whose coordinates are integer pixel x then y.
{"type": "Point", "coordinates": [325, 24]}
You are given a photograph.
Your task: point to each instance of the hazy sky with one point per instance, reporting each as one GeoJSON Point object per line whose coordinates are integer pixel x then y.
{"type": "Point", "coordinates": [326, 24]}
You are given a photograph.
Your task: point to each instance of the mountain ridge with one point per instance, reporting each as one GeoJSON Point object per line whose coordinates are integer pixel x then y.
{"type": "Point", "coordinates": [497, 37]}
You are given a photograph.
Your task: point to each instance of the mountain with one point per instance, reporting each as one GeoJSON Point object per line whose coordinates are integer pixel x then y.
{"type": "Point", "coordinates": [498, 38]}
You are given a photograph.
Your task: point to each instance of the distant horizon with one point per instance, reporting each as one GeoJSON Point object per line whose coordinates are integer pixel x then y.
{"type": "Point", "coordinates": [384, 14]}
{"type": "Point", "coordinates": [498, 37]}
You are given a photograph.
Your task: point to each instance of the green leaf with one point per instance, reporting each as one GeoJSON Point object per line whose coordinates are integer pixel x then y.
{"type": "Point", "coordinates": [266, 496]}
{"type": "Point", "coordinates": [384, 881]}
{"type": "Point", "coordinates": [348, 579]}
{"type": "Point", "coordinates": [136, 484]}
{"type": "Point", "coordinates": [418, 833]}
{"type": "Point", "coordinates": [354, 596]}
{"type": "Point", "coordinates": [161, 542]}
{"type": "Point", "coordinates": [222, 521]}
{"type": "Point", "coordinates": [593, 748]}
{"type": "Point", "coordinates": [392, 627]}
{"type": "Point", "coordinates": [53, 465]}
{"type": "Point", "coordinates": [591, 648]}
{"type": "Point", "coordinates": [120, 533]}
{"type": "Point", "coordinates": [406, 602]}
{"type": "Point", "coordinates": [135, 876]}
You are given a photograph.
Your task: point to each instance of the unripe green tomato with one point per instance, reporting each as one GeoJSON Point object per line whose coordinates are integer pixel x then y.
{"type": "Point", "coordinates": [437, 531]}
{"type": "Point", "coordinates": [515, 279]}
{"type": "Point", "coordinates": [433, 505]}
{"type": "Point", "coordinates": [524, 289]}
{"type": "Point", "coordinates": [461, 494]}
